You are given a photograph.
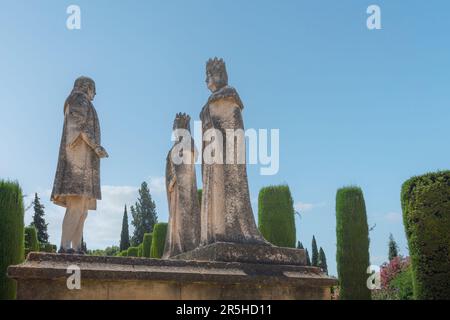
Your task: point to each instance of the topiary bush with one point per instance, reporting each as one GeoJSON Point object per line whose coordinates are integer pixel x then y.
{"type": "Point", "coordinates": [147, 245]}
{"type": "Point", "coordinates": [47, 247]}
{"type": "Point", "coordinates": [31, 240]}
{"type": "Point", "coordinates": [276, 219]}
{"type": "Point", "coordinates": [352, 255]}
{"type": "Point", "coordinates": [123, 253]}
{"type": "Point", "coordinates": [426, 217]}
{"type": "Point", "coordinates": [140, 250]}
{"type": "Point", "coordinates": [133, 252]}
{"type": "Point", "coordinates": [159, 240]}
{"type": "Point", "coordinates": [11, 235]}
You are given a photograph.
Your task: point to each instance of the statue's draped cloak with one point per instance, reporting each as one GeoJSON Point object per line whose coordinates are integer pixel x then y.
{"type": "Point", "coordinates": [183, 232]}
{"type": "Point", "coordinates": [226, 212]}
{"type": "Point", "coordinates": [78, 170]}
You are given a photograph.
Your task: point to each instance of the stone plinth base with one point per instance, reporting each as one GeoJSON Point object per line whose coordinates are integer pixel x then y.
{"type": "Point", "coordinates": [246, 253]}
{"type": "Point", "coordinates": [44, 276]}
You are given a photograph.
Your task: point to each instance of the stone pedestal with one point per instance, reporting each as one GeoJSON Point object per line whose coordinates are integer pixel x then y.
{"type": "Point", "coordinates": [246, 253]}
{"type": "Point", "coordinates": [44, 276]}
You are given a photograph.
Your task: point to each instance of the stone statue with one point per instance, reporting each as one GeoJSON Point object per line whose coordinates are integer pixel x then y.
{"type": "Point", "coordinates": [183, 233]}
{"type": "Point", "coordinates": [77, 181]}
{"type": "Point", "coordinates": [226, 212]}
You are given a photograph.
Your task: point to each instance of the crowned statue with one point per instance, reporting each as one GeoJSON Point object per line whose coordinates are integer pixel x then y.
{"type": "Point", "coordinates": [183, 232]}
{"type": "Point", "coordinates": [226, 211]}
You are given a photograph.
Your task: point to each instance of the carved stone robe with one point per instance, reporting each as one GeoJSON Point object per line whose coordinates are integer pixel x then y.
{"type": "Point", "coordinates": [78, 170]}
{"type": "Point", "coordinates": [183, 233]}
{"type": "Point", "coordinates": [226, 212]}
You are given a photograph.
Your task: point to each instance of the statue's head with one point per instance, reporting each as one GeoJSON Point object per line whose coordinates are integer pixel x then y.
{"type": "Point", "coordinates": [216, 74]}
{"type": "Point", "coordinates": [85, 85]}
{"type": "Point", "coordinates": [182, 121]}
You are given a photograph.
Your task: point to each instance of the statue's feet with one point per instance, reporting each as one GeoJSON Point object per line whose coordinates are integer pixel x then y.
{"type": "Point", "coordinates": [80, 252]}
{"type": "Point", "coordinates": [66, 251]}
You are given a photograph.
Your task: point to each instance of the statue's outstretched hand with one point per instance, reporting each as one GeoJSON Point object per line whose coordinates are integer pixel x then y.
{"type": "Point", "coordinates": [101, 152]}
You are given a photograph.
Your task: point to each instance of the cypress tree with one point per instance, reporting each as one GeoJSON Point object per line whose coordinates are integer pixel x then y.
{"type": "Point", "coordinates": [159, 240]}
{"type": "Point", "coordinates": [352, 254]}
{"type": "Point", "coordinates": [125, 235]}
{"type": "Point", "coordinates": [31, 240]}
{"type": "Point", "coordinates": [315, 253]}
{"type": "Point", "coordinates": [426, 217]}
{"type": "Point", "coordinates": [83, 245]}
{"type": "Point", "coordinates": [39, 221]}
{"type": "Point", "coordinates": [299, 245]}
{"type": "Point", "coordinates": [147, 245]}
{"type": "Point", "coordinates": [144, 215]}
{"type": "Point", "coordinates": [11, 235]}
{"type": "Point", "coordinates": [308, 259]}
{"type": "Point", "coordinates": [199, 195]}
{"type": "Point", "coordinates": [323, 261]}
{"type": "Point", "coordinates": [276, 215]}
{"type": "Point", "coordinates": [393, 248]}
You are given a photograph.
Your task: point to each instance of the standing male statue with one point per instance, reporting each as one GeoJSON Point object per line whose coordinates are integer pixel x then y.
{"type": "Point", "coordinates": [226, 212]}
{"type": "Point", "coordinates": [77, 181]}
{"type": "Point", "coordinates": [183, 233]}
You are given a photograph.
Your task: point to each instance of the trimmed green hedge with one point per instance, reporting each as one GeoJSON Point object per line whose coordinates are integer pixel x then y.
{"type": "Point", "coordinates": [31, 240]}
{"type": "Point", "coordinates": [123, 253]}
{"type": "Point", "coordinates": [352, 254]}
{"type": "Point", "coordinates": [159, 240]}
{"type": "Point", "coordinates": [426, 217]}
{"type": "Point", "coordinates": [133, 252]}
{"type": "Point", "coordinates": [276, 219]}
{"type": "Point", "coordinates": [11, 235]}
{"type": "Point", "coordinates": [140, 250]}
{"type": "Point", "coordinates": [47, 247]}
{"type": "Point", "coordinates": [147, 245]}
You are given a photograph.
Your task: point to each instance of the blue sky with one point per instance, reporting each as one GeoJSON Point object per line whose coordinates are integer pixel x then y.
{"type": "Point", "coordinates": [353, 106]}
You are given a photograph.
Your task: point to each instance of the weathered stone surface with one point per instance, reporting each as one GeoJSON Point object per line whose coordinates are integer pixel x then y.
{"type": "Point", "coordinates": [246, 253]}
{"type": "Point", "coordinates": [226, 212]}
{"type": "Point", "coordinates": [44, 276]}
{"type": "Point", "coordinates": [77, 180]}
{"type": "Point", "coordinates": [183, 232]}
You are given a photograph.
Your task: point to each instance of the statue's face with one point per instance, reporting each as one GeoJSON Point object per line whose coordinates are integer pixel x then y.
{"type": "Point", "coordinates": [213, 81]}
{"type": "Point", "coordinates": [91, 92]}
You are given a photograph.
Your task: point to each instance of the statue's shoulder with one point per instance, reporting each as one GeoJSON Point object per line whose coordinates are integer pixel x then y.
{"type": "Point", "coordinates": [77, 100]}
{"type": "Point", "coordinates": [226, 92]}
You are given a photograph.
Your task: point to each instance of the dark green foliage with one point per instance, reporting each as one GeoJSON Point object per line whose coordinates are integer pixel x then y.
{"type": "Point", "coordinates": [112, 251]}
{"type": "Point", "coordinates": [48, 247]}
{"type": "Point", "coordinates": [83, 245]}
{"type": "Point", "coordinates": [123, 253]}
{"type": "Point", "coordinates": [133, 252]}
{"type": "Point", "coordinates": [308, 259]}
{"type": "Point", "coordinates": [11, 234]}
{"type": "Point", "coordinates": [315, 253]}
{"type": "Point", "coordinates": [199, 195]}
{"type": "Point", "coordinates": [299, 245]}
{"type": "Point", "coordinates": [393, 248]}
{"type": "Point", "coordinates": [147, 245]}
{"type": "Point", "coordinates": [426, 217]}
{"type": "Point", "coordinates": [323, 261]}
{"type": "Point", "coordinates": [144, 215]}
{"type": "Point", "coordinates": [159, 240]}
{"type": "Point", "coordinates": [125, 234]}
{"type": "Point", "coordinates": [31, 240]}
{"type": "Point", "coordinates": [352, 254]}
{"type": "Point", "coordinates": [402, 285]}
{"type": "Point", "coordinates": [39, 221]}
{"type": "Point", "coordinates": [276, 215]}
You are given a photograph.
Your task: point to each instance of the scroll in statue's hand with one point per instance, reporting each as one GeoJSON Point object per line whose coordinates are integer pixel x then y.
{"type": "Point", "coordinates": [101, 152]}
